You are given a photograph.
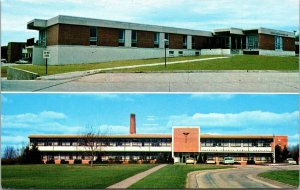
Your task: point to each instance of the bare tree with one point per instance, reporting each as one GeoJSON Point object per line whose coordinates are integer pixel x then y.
{"type": "Point", "coordinates": [10, 152]}
{"type": "Point", "coordinates": [92, 140]}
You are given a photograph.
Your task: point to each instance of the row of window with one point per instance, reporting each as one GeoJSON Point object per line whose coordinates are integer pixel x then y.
{"type": "Point", "coordinates": [236, 142]}
{"type": "Point", "coordinates": [252, 42]}
{"type": "Point", "coordinates": [134, 38]}
{"type": "Point", "coordinates": [154, 142]}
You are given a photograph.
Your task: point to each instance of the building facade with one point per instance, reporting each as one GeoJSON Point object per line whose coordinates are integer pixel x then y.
{"type": "Point", "coordinates": [76, 40]}
{"type": "Point", "coordinates": [182, 144]}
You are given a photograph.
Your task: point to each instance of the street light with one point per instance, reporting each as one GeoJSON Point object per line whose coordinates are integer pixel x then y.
{"type": "Point", "coordinates": [165, 42]}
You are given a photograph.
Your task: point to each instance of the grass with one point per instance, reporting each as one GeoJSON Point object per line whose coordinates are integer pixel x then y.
{"type": "Point", "coordinates": [171, 176]}
{"type": "Point", "coordinates": [290, 177]}
{"type": "Point", "coordinates": [239, 62]}
{"type": "Point", "coordinates": [57, 69]}
{"type": "Point", "coordinates": [67, 176]}
{"type": "Point", "coordinates": [3, 71]}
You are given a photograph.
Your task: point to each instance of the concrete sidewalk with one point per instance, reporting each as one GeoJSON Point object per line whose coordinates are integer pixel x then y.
{"type": "Point", "coordinates": [78, 74]}
{"type": "Point", "coordinates": [132, 180]}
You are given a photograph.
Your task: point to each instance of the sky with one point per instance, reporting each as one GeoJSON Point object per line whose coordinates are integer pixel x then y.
{"type": "Point", "coordinates": [191, 14]}
{"type": "Point", "coordinates": [52, 113]}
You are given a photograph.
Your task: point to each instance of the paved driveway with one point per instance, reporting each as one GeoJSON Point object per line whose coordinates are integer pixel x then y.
{"type": "Point", "coordinates": [287, 82]}
{"type": "Point", "coordinates": [240, 177]}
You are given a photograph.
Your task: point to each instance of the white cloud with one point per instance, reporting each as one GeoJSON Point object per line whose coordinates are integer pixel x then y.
{"type": "Point", "coordinates": [242, 119]}
{"type": "Point", "coordinates": [213, 96]}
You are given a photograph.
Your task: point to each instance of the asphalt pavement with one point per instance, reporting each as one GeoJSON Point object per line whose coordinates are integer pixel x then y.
{"type": "Point", "coordinates": [221, 81]}
{"type": "Point", "coordinates": [240, 177]}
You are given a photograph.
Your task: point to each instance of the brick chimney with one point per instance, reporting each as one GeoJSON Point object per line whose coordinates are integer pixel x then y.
{"type": "Point", "coordinates": [132, 124]}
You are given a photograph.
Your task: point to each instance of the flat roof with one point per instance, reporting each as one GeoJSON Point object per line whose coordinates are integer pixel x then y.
{"type": "Point", "coordinates": [63, 19]}
{"type": "Point", "coordinates": [270, 31]}
{"type": "Point", "coordinates": [154, 136]}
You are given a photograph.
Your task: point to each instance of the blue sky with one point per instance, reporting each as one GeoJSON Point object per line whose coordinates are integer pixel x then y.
{"type": "Point", "coordinates": [262, 114]}
{"type": "Point", "coordinates": [193, 14]}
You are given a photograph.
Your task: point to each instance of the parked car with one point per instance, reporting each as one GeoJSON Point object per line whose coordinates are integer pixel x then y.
{"type": "Point", "coordinates": [190, 161]}
{"type": "Point", "coordinates": [210, 161]}
{"type": "Point", "coordinates": [290, 161]}
{"type": "Point", "coordinates": [228, 160]}
{"type": "Point", "coordinates": [3, 61]}
{"type": "Point", "coordinates": [22, 61]}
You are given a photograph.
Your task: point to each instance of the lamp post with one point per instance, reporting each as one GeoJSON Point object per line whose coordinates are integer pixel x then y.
{"type": "Point", "coordinates": [165, 42]}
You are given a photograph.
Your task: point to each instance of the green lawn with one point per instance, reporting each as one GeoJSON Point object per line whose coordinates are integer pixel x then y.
{"type": "Point", "coordinates": [3, 71]}
{"type": "Point", "coordinates": [40, 69]}
{"type": "Point", "coordinates": [171, 176]}
{"type": "Point", "coordinates": [239, 62]}
{"type": "Point", "coordinates": [67, 176]}
{"type": "Point", "coordinates": [290, 177]}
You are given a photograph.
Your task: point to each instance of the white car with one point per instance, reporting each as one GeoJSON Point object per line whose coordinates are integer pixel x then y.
{"type": "Point", "coordinates": [190, 161]}
{"type": "Point", "coordinates": [291, 161]}
{"type": "Point", "coordinates": [210, 161]}
{"type": "Point", "coordinates": [3, 61]}
{"type": "Point", "coordinates": [228, 160]}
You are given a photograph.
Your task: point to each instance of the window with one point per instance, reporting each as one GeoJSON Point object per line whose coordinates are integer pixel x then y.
{"type": "Point", "coordinates": [134, 38]}
{"type": "Point", "coordinates": [167, 37]}
{"type": "Point", "coordinates": [185, 41]}
{"type": "Point", "coordinates": [278, 43]}
{"type": "Point", "coordinates": [235, 142]}
{"type": "Point", "coordinates": [171, 53]}
{"type": "Point", "coordinates": [197, 53]}
{"type": "Point", "coordinates": [121, 37]}
{"type": "Point", "coordinates": [156, 39]}
{"type": "Point", "coordinates": [252, 42]}
{"type": "Point", "coordinates": [193, 42]}
{"type": "Point", "coordinates": [42, 38]}
{"type": "Point", "coordinates": [180, 53]}
{"type": "Point", "coordinates": [93, 36]}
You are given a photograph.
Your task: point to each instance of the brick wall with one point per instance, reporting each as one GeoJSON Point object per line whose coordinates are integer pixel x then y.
{"type": "Point", "coordinates": [145, 39]}
{"type": "Point", "coordinates": [186, 143]}
{"type": "Point", "coordinates": [14, 51]}
{"type": "Point", "coordinates": [288, 44]}
{"type": "Point", "coordinates": [108, 37]}
{"type": "Point", "coordinates": [281, 141]}
{"type": "Point", "coordinates": [176, 41]}
{"type": "Point", "coordinates": [266, 42]}
{"type": "Point", "coordinates": [73, 35]}
{"type": "Point", "coordinates": [201, 42]}
{"type": "Point", "coordinates": [52, 35]}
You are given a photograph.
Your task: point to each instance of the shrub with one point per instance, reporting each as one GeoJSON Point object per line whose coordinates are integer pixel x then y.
{"type": "Point", "coordinates": [250, 162]}
{"type": "Point", "coordinates": [77, 161]}
{"type": "Point", "coordinates": [64, 162]}
{"type": "Point", "coordinates": [9, 161]}
{"type": "Point", "coordinates": [50, 161]}
{"type": "Point", "coordinates": [132, 161]}
{"type": "Point", "coordinates": [146, 161]}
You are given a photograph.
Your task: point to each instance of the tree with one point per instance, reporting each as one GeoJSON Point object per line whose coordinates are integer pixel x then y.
{"type": "Point", "coordinates": [285, 153]}
{"type": "Point", "coordinates": [91, 141]}
{"type": "Point", "coordinates": [31, 155]}
{"type": "Point", "coordinates": [10, 152]}
{"type": "Point", "coordinates": [294, 153]}
{"type": "Point", "coordinates": [278, 153]}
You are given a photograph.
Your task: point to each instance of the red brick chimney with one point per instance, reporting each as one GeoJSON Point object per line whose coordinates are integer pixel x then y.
{"type": "Point", "coordinates": [132, 124]}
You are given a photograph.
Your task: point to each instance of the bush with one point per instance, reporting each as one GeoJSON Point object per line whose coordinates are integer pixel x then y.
{"type": "Point", "coordinates": [64, 162]}
{"type": "Point", "coordinates": [132, 162]}
{"type": "Point", "coordinates": [146, 161]}
{"type": "Point", "coordinates": [77, 161]}
{"type": "Point", "coordinates": [9, 161]}
{"type": "Point", "coordinates": [50, 161]}
{"type": "Point", "coordinates": [250, 162]}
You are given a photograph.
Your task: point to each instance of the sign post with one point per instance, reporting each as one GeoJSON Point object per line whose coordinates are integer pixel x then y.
{"type": "Point", "coordinates": [46, 55]}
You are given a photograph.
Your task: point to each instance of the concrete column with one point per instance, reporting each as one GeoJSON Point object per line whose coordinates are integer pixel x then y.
{"type": "Point", "coordinates": [128, 38]}
{"type": "Point", "coordinates": [241, 39]}
{"type": "Point", "coordinates": [161, 40]}
{"type": "Point", "coordinates": [229, 42]}
{"type": "Point", "coordinates": [189, 42]}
